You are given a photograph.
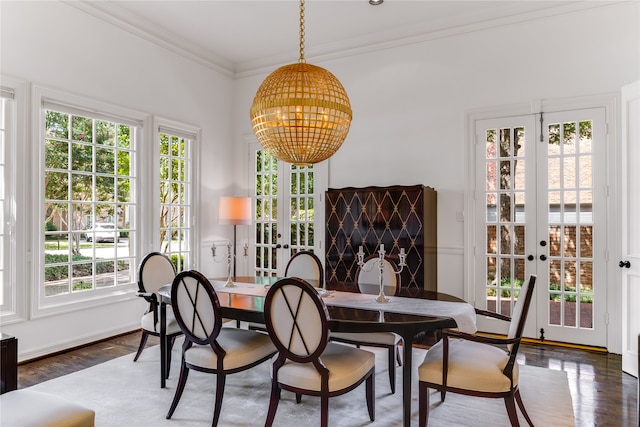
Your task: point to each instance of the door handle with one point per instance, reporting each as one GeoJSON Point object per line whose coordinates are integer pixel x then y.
{"type": "Point", "coordinates": [531, 257]}
{"type": "Point", "coordinates": [278, 246]}
{"type": "Point", "coordinates": [286, 246]}
{"type": "Point", "coordinates": [543, 257]}
{"type": "Point", "coordinates": [625, 264]}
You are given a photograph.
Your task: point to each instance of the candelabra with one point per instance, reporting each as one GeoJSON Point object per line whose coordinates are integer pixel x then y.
{"type": "Point", "coordinates": [230, 256]}
{"type": "Point", "coordinates": [382, 298]}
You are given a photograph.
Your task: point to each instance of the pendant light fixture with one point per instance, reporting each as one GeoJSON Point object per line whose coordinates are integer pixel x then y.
{"type": "Point", "coordinates": [301, 113]}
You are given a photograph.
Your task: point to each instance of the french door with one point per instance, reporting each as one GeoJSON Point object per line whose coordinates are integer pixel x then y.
{"type": "Point", "coordinates": [541, 203]}
{"type": "Point", "coordinates": [630, 261]}
{"type": "Point", "coordinates": [288, 203]}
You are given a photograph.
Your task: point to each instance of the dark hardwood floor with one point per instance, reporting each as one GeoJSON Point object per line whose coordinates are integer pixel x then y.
{"type": "Point", "coordinates": [602, 394]}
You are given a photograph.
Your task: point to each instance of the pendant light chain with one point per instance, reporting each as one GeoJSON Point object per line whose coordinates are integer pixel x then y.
{"type": "Point", "coordinates": [302, 60]}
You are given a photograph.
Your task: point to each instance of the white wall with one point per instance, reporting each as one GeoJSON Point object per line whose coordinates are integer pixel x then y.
{"type": "Point", "coordinates": [409, 102]}
{"type": "Point", "coordinates": [55, 45]}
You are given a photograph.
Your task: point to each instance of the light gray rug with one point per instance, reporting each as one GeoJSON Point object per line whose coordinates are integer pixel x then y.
{"type": "Point", "coordinates": [124, 393]}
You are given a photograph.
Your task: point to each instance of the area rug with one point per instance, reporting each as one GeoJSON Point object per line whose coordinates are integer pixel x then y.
{"type": "Point", "coordinates": [127, 393]}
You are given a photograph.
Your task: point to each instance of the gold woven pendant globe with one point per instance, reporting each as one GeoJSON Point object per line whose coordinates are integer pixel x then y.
{"type": "Point", "coordinates": [301, 114]}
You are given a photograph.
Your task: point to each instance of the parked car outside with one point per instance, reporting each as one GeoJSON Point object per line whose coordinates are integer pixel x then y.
{"type": "Point", "coordinates": [103, 232]}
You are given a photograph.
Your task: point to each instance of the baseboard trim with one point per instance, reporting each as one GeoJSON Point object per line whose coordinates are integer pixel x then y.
{"type": "Point", "coordinates": [553, 343]}
{"type": "Point", "coordinates": [76, 347]}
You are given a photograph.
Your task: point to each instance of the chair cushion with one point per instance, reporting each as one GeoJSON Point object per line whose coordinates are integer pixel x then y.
{"type": "Point", "coordinates": [347, 365]}
{"type": "Point", "coordinates": [243, 348]}
{"type": "Point", "coordinates": [172, 325]}
{"type": "Point", "coordinates": [28, 408]}
{"type": "Point", "coordinates": [384, 338]}
{"type": "Point", "coordinates": [472, 366]}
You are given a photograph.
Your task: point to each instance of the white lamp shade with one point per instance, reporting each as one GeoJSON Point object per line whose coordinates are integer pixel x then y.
{"type": "Point", "coordinates": [234, 210]}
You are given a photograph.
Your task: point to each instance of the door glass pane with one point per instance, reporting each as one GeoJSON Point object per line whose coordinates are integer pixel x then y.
{"type": "Point", "coordinates": [491, 176]}
{"type": "Point", "coordinates": [553, 149]}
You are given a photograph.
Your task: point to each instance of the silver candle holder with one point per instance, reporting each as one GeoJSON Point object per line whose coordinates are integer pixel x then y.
{"type": "Point", "coordinates": [382, 298]}
{"type": "Point", "coordinates": [229, 283]}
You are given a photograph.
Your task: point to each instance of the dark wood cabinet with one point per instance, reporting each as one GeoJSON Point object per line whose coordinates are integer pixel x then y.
{"type": "Point", "coordinates": [8, 363]}
{"type": "Point", "coordinates": [398, 217]}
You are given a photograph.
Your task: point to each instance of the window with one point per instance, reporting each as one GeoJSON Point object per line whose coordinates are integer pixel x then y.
{"type": "Point", "coordinates": [7, 143]}
{"type": "Point", "coordinates": [88, 205]}
{"type": "Point", "coordinates": [176, 186]}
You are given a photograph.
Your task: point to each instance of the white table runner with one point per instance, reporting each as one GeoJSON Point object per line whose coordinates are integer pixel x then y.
{"type": "Point", "coordinates": [463, 313]}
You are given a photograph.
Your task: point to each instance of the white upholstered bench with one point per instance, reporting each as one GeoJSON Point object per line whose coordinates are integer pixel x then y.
{"type": "Point", "coordinates": [28, 408]}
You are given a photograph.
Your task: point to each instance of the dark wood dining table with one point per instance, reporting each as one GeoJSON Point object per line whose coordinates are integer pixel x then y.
{"type": "Point", "coordinates": [249, 308]}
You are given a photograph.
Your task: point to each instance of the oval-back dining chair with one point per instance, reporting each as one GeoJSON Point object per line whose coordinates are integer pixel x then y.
{"type": "Point", "coordinates": [305, 265]}
{"type": "Point", "coordinates": [297, 321]}
{"type": "Point", "coordinates": [208, 347]}
{"type": "Point", "coordinates": [368, 279]}
{"type": "Point", "coordinates": [472, 364]}
{"type": "Point", "coordinates": [156, 270]}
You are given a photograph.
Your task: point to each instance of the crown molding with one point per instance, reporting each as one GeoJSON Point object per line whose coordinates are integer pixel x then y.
{"type": "Point", "coordinates": [509, 13]}
{"type": "Point", "coordinates": [113, 14]}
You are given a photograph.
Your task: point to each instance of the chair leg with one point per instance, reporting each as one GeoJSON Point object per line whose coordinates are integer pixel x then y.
{"type": "Point", "coordinates": [184, 373]}
{"type": "Point", "coordinates": [298, 398]}
{"type": "Point", "coordinates": [143, 342]}
{"type": "Point", "coordinates": [398, 355]}
{"type": "Point", "coordinates": [273, 404]}
{"type": "Point", "coordinates": [443, 394]}
{"type": "Point", "coordinates": [521, 406]}
{"type": "Point", "coordinates": [371, 396]}
{"type": "Point", "coordinates": [169, 347]}
{"type": "Point", "coordinates": [510, 403]}
{"type": "Point", "coordinates": [219, 394]}
{"type": "Point", "coordinates": [324, 411]}
{"type": "Point", "coordinates": [423, 405]}
{"type": "Point", "coordinates": [392, 368]}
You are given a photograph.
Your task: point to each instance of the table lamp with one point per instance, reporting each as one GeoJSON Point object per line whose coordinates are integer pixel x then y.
{"type": "Point", "coordinates": [234, 211]}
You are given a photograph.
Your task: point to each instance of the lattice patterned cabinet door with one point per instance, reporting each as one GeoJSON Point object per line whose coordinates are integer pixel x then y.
{"type": "Point", "coordinates": [400, 217]}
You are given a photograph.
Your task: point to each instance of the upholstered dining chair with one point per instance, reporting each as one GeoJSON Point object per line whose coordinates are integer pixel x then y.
{"type": "Point", "coordinates": [208, 347]}
{"type": "Point", "coordinates": [156, 270]}
{"type": "Point", "coordinates": [305, 265]}
{"type": "Point", "coordinates": [297, 321]}
{"type": "Point", "coordinates": [472, 364]}
{"type": "Point", "coordinates": [368, 279]}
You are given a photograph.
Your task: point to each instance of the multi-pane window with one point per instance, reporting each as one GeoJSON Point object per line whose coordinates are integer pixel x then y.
{"type": "Point", "coordinates": [505, 216]}
{"type": "Point", "coordinates": [301, 214]}
{"type": "Point", "coordinates": [175, 198]}
{"type": "Point", "coordinates": [7, 290]}
{"type": "Point", "coordinates": [88, 205]}
{"type": "Point", "coordinates": [570, 199]}
{"type": "Point", "coordinates": [285, 212]}
{"type": "Point", "coordinates": [266, 228]}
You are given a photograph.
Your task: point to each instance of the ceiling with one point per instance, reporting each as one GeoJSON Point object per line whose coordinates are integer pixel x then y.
{"type": "Point", "coordinates": [243, 37]}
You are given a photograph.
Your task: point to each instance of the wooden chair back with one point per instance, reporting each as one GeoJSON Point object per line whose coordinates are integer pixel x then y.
{"type": "Point", "coordinates": [156, 270]}
{"type": "Point", "coordinates": [305, 265]}
{"type": "Point", "coordinates": [196, 308]}
{"type": "Point", "coordinates": [368, 276]}
{"type": "Point", "coordinates": [518, 320]}
{"type": "Point", "coordinates": [297, 320]}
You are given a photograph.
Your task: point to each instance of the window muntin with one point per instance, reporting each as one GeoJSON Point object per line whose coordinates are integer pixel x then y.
{"type": "Point", "coordinates": [175, 185]}
{"type": "Point", "coordinates": [89, 178]}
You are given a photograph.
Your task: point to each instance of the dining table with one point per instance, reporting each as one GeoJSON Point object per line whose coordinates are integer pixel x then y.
{"type": "Point", "coordinates": [408, 312]}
